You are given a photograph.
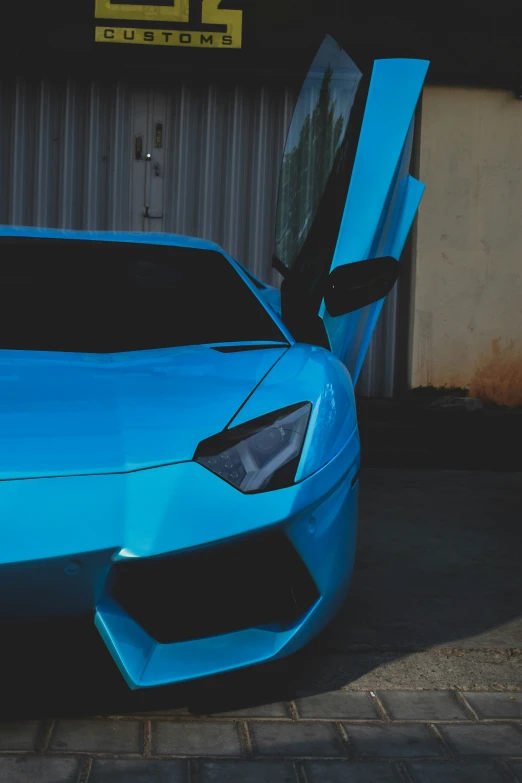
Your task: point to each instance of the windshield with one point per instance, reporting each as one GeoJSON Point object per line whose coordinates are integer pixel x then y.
{"type": "Point", "coordinates": [106, 297]}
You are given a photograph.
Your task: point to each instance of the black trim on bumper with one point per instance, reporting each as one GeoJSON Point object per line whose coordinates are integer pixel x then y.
{"type": "Point", "coordinates": [239, 584]}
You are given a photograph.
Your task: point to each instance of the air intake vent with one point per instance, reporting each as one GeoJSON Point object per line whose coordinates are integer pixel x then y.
{"type": "Point", "coordinates": [245, 583]}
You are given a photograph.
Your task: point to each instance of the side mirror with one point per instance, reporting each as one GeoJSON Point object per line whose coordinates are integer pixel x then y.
{"type": "Point", "coordinates": [352, 286]}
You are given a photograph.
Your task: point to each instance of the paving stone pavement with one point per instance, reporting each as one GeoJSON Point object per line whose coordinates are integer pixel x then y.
{"type": "Point", "coordinates": [343, 736]}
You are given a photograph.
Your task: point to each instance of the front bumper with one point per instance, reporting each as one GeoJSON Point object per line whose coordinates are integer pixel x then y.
{"type": "Point", "coordinates": [97, 525]}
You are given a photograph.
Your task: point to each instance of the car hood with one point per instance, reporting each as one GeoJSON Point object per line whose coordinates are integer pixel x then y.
{"type": "Point", "coordinates": [63, 415]}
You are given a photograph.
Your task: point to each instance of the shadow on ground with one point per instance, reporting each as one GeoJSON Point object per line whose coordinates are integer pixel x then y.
{"type": "Point", "coordinates": [438, 566]}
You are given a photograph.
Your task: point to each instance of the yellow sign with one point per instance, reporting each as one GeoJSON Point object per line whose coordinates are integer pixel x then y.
{"type": "Point", "coordinates": [214, 27]}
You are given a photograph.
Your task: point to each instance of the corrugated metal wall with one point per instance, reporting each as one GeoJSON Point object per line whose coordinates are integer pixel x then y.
{"type": "Point", "coordinates": [66, 161]}
{"type": "Point", "coordinates": [65, 154]}
{"type": "Point", "coordinates": [225, 152]}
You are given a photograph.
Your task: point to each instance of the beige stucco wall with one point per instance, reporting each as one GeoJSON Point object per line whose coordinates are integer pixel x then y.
{"type": "Point", "coordinates": [468, 268]}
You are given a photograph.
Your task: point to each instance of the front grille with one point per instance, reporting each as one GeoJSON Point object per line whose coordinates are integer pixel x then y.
{"type": "Point", "coordinates": [243, 583]}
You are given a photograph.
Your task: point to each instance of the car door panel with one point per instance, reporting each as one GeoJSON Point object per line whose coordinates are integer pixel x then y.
{"type": "Point", "coordinates": [360, 204]}
{"type": "Point", "coordinates": [382, 198]}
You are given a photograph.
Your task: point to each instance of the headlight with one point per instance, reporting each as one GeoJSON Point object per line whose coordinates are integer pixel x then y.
{"type": "Point", "coordinates": [261, 455]}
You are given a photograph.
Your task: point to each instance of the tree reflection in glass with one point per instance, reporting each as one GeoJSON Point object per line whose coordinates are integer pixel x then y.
{"type": "Point", "coordinates": [317, 131]}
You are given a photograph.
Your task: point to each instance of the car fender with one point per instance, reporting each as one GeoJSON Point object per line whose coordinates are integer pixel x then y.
{"type": "Point", "coordinates": [308, 373]}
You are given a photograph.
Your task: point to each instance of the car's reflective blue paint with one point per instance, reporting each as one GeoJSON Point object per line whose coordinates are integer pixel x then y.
{"type": "Point", "coordinates": [272, 297]}
{"type": "Point", "coordinates": [109, 236]}
{"type": "Point", "coordinates": [68, 414]}
{"type": "Point", "coordinates": [309, 374]}
{"type": "Point", "coordinates": [407, 198]}
{"type": "Point", "coordinates": [96, 452]}
{"type": "Point", "coordinates": [320, 517]}
{"type": "Point", "coordinates": [375, 220]}
{"type": "Point", "coordinates": [44, 580]}
{"type": "Point", "coordinates": [145, 512]}
{"type": "Point", "coordinates": [64, 533]}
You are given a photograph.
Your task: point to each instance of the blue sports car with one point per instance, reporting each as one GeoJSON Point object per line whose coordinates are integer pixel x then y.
{"type": "Point", "coordinates": [179, 451]}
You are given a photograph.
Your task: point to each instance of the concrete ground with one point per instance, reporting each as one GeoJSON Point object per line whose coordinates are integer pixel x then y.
{"type": "Point", "coordinates": [418, 680]}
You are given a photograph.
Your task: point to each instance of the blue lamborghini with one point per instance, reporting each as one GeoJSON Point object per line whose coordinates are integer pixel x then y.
{"type": "Point", "coordinates": [179, 452]}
